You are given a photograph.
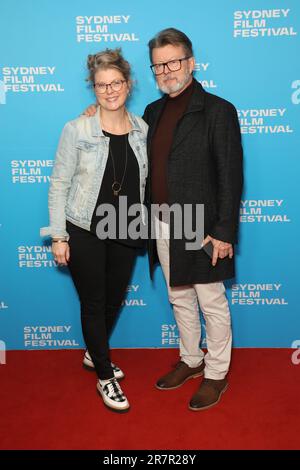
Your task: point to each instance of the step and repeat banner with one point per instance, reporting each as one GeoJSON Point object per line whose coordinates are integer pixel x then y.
{"type": "Point", "coordinates": [248, 53]}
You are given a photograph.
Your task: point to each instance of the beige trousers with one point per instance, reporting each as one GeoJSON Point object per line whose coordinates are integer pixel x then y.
{"type": "Point", "coordinates": [214, 306]}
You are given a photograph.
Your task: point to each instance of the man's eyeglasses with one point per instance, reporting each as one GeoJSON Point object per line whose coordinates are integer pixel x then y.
{"type": "Point", "coordinates": [115, 85]}
{"type": "Point", "coordinates": [172, 66]}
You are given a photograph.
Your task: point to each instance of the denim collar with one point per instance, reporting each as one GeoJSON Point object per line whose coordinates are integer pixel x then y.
{"type": "Point", "coordinates": [96, 124]}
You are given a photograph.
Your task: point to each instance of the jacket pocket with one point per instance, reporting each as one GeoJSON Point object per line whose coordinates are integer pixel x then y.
{"type": "Point", "coordinates": [86, 146]}
{"type": "Point", "coordinates": [87, 157]}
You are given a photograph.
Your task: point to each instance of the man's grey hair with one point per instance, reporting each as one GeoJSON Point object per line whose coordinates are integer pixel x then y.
{"type": "Point", "coordinates": [173, 37]}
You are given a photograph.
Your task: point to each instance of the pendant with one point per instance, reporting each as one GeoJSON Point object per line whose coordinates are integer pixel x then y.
{"type": "Point", "coordinates": [116, 187]}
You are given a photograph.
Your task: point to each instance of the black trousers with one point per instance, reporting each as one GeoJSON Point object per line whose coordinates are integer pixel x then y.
{"type": "Point", "coordinates": [100, 270]}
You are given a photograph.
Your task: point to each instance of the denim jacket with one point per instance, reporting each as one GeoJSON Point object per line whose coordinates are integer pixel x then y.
{"type": "Point", "coordinates": [79, 168]}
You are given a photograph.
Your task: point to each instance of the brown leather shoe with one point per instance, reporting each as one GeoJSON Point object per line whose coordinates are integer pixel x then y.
{"type": "Point", "coordinates": [208, 394]}
{"type": "Point", "coordinates": [179, 375]}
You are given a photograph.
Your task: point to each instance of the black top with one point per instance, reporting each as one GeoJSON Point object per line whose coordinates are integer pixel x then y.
{"type": "Point", "coordinates": [130, 186]}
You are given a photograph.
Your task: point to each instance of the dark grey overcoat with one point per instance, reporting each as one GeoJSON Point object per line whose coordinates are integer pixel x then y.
{"type": "Point", "coordinates": [204, 166]}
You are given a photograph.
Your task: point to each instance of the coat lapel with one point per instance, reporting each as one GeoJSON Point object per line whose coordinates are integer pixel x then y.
{"type": "Point", "coordinates": [187, 121]}
{"type": "Point", "coordinates": [191, 115]}
{"type": "Point", "coordinates": [153, 125]}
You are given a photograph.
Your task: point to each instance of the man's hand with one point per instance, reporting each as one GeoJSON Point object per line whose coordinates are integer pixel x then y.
{"type": "Point", "coordinates": [90, 111]}
{"type": "Point", "coordinates": [61, 253]}
{"type": "Point", "coordinates": [221, 249]}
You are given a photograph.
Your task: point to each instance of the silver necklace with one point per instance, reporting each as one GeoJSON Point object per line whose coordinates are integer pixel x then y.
{"type": "Point", "coordinates": [116, 186]}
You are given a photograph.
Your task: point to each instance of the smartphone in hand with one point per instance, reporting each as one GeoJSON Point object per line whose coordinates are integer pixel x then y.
{"type": "Point", "coordinates": [208, 248]}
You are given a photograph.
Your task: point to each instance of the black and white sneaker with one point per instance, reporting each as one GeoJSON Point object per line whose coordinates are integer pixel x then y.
{"type": "Point", "coordinates": [112, 395]}
{"type": "Point", "coordinates": [118, 373]}
{"type": "Point", "coordinates": [89, 365]}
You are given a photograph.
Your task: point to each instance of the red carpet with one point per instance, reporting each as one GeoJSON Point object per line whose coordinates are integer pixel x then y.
{"type": "Point", "coordinates": [47, 401]}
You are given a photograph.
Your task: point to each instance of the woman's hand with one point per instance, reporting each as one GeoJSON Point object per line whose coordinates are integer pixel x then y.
{"type": "Point", "coordinates": [90, 111]}
{"type": "Point", "coordinates": [61, 252]}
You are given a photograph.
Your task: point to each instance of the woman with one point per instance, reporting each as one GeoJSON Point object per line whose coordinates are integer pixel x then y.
{"type": "Point", "coordinates": [98, 160]}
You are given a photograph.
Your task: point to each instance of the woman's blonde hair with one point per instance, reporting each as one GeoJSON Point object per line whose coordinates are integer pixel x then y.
{"type": "Point", "coordinates": [108, 59]}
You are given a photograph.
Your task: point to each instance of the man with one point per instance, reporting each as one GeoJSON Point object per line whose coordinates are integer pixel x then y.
{"type": "Point", "coordinates": [195, 153]}
{"type": "Point", "coordinates": [195, 157]}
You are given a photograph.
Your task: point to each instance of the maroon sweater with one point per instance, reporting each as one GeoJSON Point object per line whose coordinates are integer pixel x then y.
{"type": "Point", "coordinates": [162, 141]}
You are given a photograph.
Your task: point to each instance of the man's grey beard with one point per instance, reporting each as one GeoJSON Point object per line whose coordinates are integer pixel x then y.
{"type": "Point", "coordinates": [177, 86]}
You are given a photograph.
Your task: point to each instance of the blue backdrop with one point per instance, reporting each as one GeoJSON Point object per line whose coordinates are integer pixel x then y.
{"type": "Point", "coordinates": [246, 52]}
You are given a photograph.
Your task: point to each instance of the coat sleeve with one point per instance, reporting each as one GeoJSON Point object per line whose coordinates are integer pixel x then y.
{"type": "Point", "coordinates": [228, 158]}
